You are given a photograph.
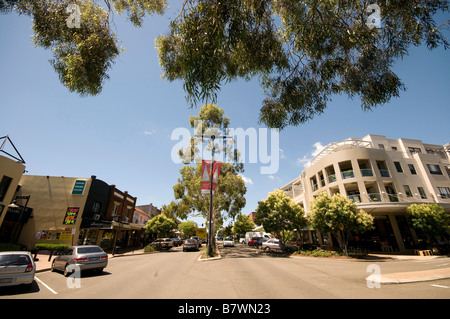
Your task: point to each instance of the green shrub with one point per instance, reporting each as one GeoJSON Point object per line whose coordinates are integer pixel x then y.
{"type": "Point", "coordinates": [149, 248]}
{"type": "Point", "coordinates": [50, 247]}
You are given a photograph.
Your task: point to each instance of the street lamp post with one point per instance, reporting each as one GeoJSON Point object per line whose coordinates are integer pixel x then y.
{"type": "Point", "coordinates": [210, 226]}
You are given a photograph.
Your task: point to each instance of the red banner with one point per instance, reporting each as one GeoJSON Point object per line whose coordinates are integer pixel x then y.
{"type": "Point", "coordinates": [206, 176]}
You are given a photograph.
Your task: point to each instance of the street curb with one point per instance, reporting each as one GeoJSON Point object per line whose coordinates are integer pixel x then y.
{"type": "Point", "coordinates": [208, 259]}
{"type": "Point", "coordinates": [414, 276]}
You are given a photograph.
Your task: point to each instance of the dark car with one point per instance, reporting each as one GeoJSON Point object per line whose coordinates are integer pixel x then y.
{"type": "Point", "coordinates": [177, 242]}
{"type": "Point", "coordinates": [190, 244]}
{"type": "Point", "coordinates": [162, 243]}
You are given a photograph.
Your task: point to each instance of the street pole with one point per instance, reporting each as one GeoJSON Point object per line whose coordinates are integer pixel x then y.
{"type": "Point", "coordinates": [210, 237]}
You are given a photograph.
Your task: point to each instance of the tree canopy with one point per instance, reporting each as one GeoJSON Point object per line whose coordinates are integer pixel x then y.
{"type": "Point", "coordinates": [431, 219]}
{"type": "Point", "coordinates": [243, 224]}
{"type": "Point", "coordinates": [338, 214]}
{"type": "Point", "coordinates": [228, 199]}
{"type": "Point", "coordinates": [303, 52]}
{"type": "Point", "coordinates": [279, 214]}
{"type": "Point", "coordinates": [160, 225]}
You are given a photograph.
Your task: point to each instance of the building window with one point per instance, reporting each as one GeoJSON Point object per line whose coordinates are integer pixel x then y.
{"type": "Point", "coordinates": [444, 192]}
{"type": "Point", "coordinates": [407, 191]}
{"type": "Point", "coordinates": [382, 169]}
{"type": "Point", "coordinates": [115, 209]}
{"type": "Point", "coordinates": [434, 169]}
{"type": "Point", "coordinates": [398, 167]}
{"type": "Point", "coordinates": [422, 193]}
{"type": "Point", "coordinates": [4, 185]}
{"type": "Point", "coordinates": [412, 169]}
{"type": "Point", "coordinates": [381, 146]}
{"type": "Point", "coordinates": [96, 207]}
{"type": "Point", "coordinates": [394, 148]}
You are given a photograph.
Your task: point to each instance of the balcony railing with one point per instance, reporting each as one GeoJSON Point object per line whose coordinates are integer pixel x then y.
{"type": "Point", "coordinates": [374, 197]}
{"type": "Point", "coordinates": [356, 198]}
{"type": "Point", "coordinates": [331, 178]}
{"type": "Point", "coordinates": [348, 174]}
{"type": "Point", "coordinates": [393, 197]}
{"type": "Point", "coordinates": [366, 172]}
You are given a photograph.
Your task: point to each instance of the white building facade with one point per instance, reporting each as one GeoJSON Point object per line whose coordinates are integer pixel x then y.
{"type": "Point", "coordinates": [383, 176]}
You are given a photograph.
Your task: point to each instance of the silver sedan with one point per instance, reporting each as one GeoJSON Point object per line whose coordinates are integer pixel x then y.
{"type": "Point", "coordinates": [74, 258]}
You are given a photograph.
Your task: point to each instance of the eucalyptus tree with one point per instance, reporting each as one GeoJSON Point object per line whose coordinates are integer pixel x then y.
{"type": "Point", "coordinates": [303, 51]}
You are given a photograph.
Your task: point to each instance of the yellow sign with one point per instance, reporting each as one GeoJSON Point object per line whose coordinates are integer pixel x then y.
{"type": "Point", "coordinates": [59, 235]}
{"type": "Point", "coordinates": [201, 232]}
{"type": "Point", "coordinates": [341, 226]}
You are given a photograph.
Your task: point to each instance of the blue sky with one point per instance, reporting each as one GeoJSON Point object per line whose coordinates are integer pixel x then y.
{"type": "Point", "coordinates": [123, 135]}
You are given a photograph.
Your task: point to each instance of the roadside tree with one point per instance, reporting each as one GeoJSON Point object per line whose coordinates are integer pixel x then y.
{"type": "Point", "coordinates": [187, 228]}
{"type": "Point", "coordinates": [430, 219]}
{"type": "Point", "coordinates": [242, 225]}
{"type": "Point", "coordinates": [340, 216]}
{"type": "Point", "coordinates": [160, 225]}
{"type": "Point", "coordinates": [279, 214]}
{"type": "Point", "coordinates": [228, 198]}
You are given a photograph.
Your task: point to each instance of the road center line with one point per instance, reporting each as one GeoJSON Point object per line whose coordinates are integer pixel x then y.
{"type": "Point", "coordinates": [45, 285]}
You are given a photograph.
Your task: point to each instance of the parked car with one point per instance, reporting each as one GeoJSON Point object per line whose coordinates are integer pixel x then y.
{"type": "Point", "coordinates": [85, 257]}
{"type": "Point", "coordinates": [273, 245]}
{"type": "Point", "coordinates": [228, 242]}
{"type": "Point", "coordinates": [162, 243]}
{"type": "Point", "coordinates": [177, 242]}
{"type": "Point", "coordinates": [256, 241]}
{"type": "Point", "coordinates": [199, 241]}
{"type": "Point", "coordinates": [190, 244]}
{"type": "Point", "coordinates": [16, 268]}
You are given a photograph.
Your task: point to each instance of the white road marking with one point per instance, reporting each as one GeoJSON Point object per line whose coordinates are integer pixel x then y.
{"type": "Point", "coordinates": [45, 285]}
{"type": "Point", "coordinates": [439, 286]}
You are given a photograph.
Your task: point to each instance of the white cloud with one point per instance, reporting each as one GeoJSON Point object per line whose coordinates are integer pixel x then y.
{"type": "Point", "coordinates": [149, 132]}
{"type": "Point", "coordinates": [271, 177]}
{"type": "Point", "coordinates": [306, 160]}
{"type": "Point", "coordinates": [247, 180]}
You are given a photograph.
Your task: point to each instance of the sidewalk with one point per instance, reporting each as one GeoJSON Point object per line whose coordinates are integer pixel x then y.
{"type": "Point", "coordinates": [395, 278]}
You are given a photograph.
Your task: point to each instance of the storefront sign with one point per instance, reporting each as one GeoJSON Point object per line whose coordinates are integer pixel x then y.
{"type": "Point", "coordinates": [78, 187]}
{"type": "Point", "coordinates": [71, 215]}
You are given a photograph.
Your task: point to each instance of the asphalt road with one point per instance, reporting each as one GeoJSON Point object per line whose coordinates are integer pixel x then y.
{"type": "Point", "coordinates": [241, 273]}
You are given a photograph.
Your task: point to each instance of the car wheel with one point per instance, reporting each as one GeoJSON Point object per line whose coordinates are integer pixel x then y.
{"type": "Point", "coordinates": [67, 273]}
{"type": "Point", "coordinates": [267, 250]}
{"type": "Point", "coordinates": [53, 266]}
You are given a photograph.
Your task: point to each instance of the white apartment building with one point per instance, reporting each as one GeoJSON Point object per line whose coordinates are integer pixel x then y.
{"type": "Point", "coordinates": [383, 176]}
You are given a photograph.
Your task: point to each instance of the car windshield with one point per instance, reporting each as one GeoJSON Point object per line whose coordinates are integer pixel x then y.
{"type": "Point", "coordinates": [88, 250]}
{"type": "Point", "coordinates": [18, 260]}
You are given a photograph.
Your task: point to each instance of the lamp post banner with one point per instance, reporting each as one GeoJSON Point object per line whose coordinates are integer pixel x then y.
{"type": "Point", "coordinates": [206, 175]}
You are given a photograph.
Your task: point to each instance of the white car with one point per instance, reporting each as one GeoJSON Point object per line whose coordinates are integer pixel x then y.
{"type": "Point", "coordinates": [228, 242]}
{"type": "Point", "coordinates": [16, 268]}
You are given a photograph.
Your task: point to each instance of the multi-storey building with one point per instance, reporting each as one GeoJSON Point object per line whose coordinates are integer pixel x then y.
{"type": "Point", "coordinates": [383, 176]}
